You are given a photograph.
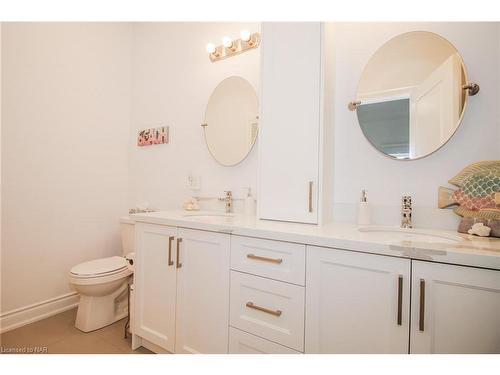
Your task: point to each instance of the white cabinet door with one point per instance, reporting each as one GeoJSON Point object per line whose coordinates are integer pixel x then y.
{"type": "Point", "coordinates": [202, 292]}
{"type": "Point", "coordinates": [356, 303]}
{"type": "Point", "coordinates": [290, 121]}
{"type": "Point", "coordinates": [155, 284]}
{"type": "Point", "coordinates": [455, 309]}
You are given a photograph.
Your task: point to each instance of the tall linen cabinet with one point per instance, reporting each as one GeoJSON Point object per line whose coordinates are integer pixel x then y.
{"type": "Point", "coordinates": [295, 140]}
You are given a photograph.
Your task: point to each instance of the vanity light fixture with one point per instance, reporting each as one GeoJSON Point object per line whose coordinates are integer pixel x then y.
{"type": "Point", "coordinates": [210, 48]}
{"type": "Point", "coordinates": [227, 42]}
{"type": "Point", "coordinates": [245, 35]}
{"type": "Point", "coordinates": [231, 47]}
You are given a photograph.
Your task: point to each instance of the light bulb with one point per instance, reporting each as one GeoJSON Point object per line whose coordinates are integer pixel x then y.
{"type": "Point", "coordinates": [210, 48]}
{"type": "Point", "coordinates": [227, 42]}
{"type": "Point", "coordinates": [245, 35]}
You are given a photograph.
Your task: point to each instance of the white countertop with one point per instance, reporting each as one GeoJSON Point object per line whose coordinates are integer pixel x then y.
{"type": "Point", "coordinates": [459, 249]}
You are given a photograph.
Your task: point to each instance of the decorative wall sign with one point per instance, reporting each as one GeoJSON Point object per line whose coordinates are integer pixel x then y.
{"type": "Point", "coordinates": [152, 136]}
{"type": "Point", "coordinates": [478, 196]}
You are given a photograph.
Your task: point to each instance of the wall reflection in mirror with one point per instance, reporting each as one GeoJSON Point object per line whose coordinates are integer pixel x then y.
{"type": "Point", "coordinates": [411, 95]}
{"type": "Point", "coordinates": [231, 121]}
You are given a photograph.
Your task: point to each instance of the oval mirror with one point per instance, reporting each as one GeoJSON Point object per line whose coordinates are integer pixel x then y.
{"type": "Point", "coordinates": [412, 95]}
{"type": "Point", "coordinates": [231, 121]}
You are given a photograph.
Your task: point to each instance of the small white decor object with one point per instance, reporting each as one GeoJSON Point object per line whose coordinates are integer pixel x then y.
{"type": "Point", "coordinates": [363, 210]}
{"type": "Point", "coordinates": [191, 204]}
{"type": "Point", "coordinates": [479, 229]}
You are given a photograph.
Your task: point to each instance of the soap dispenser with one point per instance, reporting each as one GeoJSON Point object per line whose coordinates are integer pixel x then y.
{"type": "Point", "coordinates": [249, 203]}
{"type": "Point", "coordinates": [363, 210]}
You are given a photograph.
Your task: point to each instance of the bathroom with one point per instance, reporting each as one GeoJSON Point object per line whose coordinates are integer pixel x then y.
{"type": "Point", "coordinates": [120, 164]}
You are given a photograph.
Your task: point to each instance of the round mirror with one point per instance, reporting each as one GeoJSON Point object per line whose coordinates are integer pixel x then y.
{"type": "Point", "coordinates": [412, 95]}
{"type": "Point", "coordinates": [231, 121]}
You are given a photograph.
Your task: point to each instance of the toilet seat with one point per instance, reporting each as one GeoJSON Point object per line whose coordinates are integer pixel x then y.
{"type": "Point", "coordinates": [99, 271]}
{"type": "Point", "coordinates": [99, 267]}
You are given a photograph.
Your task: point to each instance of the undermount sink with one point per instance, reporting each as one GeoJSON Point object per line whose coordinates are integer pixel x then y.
{"type": "Point", "coordinates": [205, 214]}
{"type": "Point", "coordinates": [409, 234]}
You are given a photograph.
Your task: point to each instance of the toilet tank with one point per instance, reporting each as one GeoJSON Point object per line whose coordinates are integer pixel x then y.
{"type": "Point", "coordinates": [127, 227]}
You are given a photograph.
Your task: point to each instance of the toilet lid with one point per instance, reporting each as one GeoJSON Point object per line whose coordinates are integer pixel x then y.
{"type": "Point", "coordinates": [100, 266]}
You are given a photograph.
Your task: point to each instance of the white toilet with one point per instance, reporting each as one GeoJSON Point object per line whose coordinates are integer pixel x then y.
{"type": "Point", "coordinates": [103, 283]}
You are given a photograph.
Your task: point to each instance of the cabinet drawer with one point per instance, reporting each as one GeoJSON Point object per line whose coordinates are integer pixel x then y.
{"type": "Point", "coordinates": [278, 260]}
{"type": "Point", "coordinates": [244, 343]}
{"type": "Point", "coordinates": [270, 309]}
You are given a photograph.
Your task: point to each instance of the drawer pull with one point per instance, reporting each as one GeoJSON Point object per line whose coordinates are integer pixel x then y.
{"type": "Point", "coordinates": [265, 259]}
{"type": "Point", "coordinates": [263, 309]}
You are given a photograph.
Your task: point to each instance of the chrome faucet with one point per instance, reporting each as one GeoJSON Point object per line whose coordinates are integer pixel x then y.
{"type": "Point", "coordinates": [228, 200]}
{"type": "Point", "coordinates": [406, 211]}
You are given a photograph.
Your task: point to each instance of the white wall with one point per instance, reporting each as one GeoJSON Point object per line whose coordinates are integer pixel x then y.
{"type": "Point", "coordinates": [358, 166]}
{"type": "Point", "coordinates": [65, 134]}
{"type": "Point", "coordinates": [172, 81]}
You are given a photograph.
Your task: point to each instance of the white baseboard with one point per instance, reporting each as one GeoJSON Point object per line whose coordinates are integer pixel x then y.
{"type": "Point", "coordinates": [12, 319]}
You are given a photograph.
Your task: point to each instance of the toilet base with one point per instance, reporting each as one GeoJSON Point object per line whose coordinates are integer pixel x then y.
{"type": "Point", "coordinates": [95, 312]}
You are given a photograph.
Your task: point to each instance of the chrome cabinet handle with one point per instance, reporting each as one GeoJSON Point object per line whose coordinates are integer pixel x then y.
{"type": "Point", "coordinates": [178, 263]}
{"type": "Point", "coordinates": [170, 261]}
{"type": "Point", "coordinates": [265, 259]}
{"type": "Point", "coordinates": [400, 299]}
{"type": "Point", "coordinates": [310, 196]}
{"type": "Point", "coordinates": [263, 309]}
{"type": "Point", "coordinates": [422, 305]}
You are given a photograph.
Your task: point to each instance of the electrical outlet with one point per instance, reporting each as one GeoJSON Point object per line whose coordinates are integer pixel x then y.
{"type": "Point", "coordinates": [194, 182]}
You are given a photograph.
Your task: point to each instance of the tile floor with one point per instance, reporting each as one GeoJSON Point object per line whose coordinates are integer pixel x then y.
{"type": "Point", "coordinates": [58, 335]}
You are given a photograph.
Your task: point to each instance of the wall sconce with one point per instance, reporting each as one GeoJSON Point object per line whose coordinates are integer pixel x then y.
{"type": "Point", "coordinates": [231, 47]}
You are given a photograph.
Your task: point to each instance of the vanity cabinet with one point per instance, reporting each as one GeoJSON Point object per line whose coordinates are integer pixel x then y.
{"type": "Point", "coordinates": [181, 287]}
{"type": "Point", "coordinates": [199, 291]}
{"type": "Point", "coordinates": [290, 130]}
{"type": "Point", "coordinates": [455, 309]}
{"type": "Point", "coordinates": [356, 303]}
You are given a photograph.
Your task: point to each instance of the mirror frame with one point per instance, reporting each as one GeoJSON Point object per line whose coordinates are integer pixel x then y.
{"type": "Point", "coordinates": [469, 92]}
{"type": "Point", "coordinates": [204, 125]}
